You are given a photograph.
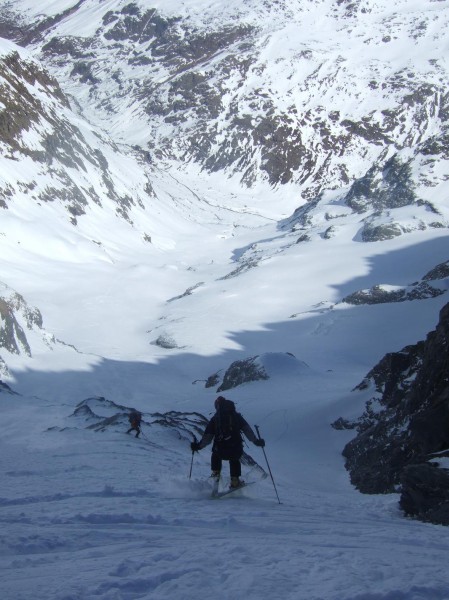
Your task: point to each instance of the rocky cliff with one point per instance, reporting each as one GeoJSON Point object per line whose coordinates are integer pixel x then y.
{"type": "Point", "coordinates": [404, 432]}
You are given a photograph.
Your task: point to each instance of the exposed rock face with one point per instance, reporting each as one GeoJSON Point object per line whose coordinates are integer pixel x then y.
{"type": "Point", "coordinates": [406, 420]}
{"type": "Point", "coordinates": [165, 341]}
{"type": "Point", "coordinates": [258, 368]}
{"type": "Point", "coordinates": [21, 328]}
{"type": "Point", "coordinates": [397, 195]}
{"type": "Point", "coordinates": [441, 271]}
{"type": "Point", "coordinates": [99, 413]}
{"type": "Point", "coordinates": [37, 126]}
{"type": "Point", "coordinates": [379, 295]}
{"type": "Point", "coordinates": [425, 493]}
{"type": "Point", "coordinates": [420, 290]}
{"type": "Point", "coordinates": [15, 314]}
{"type": "Point", "coordinates": [385, 188]}
{"type": "Point", "coordinates": [243, 371]}
{"type": "Point", "coordinates": [404, 180]}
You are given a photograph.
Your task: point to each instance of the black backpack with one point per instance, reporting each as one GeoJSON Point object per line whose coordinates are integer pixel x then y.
{"type": "Point", "coordinates": [135, 418]}
{"type": "Point", "coordinates": [227, 422]}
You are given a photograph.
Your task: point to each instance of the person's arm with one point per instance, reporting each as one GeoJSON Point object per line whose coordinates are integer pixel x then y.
{"type": "Point", "coordinates": [205, 440]}
{"type": "Point", "coordinates": [249, 433]}
{"type": "Point", "coordinates": [208, 436]}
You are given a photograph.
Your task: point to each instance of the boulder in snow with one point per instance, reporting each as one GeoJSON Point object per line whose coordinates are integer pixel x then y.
{"type": "Point", "coordinates": [261, 367]}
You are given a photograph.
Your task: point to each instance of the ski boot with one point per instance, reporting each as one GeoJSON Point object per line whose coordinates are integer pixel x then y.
{"type": "Point", "coordinates": [236, 482]}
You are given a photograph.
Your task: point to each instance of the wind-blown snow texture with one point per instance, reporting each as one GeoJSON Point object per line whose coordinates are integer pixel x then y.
{"type": "Point", "coordinates": [154, 229]}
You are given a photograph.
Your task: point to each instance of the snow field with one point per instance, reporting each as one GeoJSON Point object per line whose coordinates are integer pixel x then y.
{"type": "Point", "coordinates": [102, 515]}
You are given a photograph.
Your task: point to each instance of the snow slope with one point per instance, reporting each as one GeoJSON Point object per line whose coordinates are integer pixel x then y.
{"type": "Point", "coordinates": [90, 514]}
{"type": "Point", "coordinates": [97, 514]}
{"type": "Point", "coordinates": [223, 274]}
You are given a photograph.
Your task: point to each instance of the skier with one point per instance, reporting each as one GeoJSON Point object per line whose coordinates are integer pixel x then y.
{"type": "Point", "coordinates": [135, 418]}
{"type": "Point", "coordinates": [225, 429]}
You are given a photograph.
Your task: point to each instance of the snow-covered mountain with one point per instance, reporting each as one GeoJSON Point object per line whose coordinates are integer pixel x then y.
{"type": "Point", "coordinates": [249, 196]}
{"type": "Point", "coordinates": [310, 92]}
{"type": "Point", "coordinates": [131, 127]}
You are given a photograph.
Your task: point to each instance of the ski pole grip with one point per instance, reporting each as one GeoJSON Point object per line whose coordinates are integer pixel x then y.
{"type": "Point", "coordinates": [256, 427]}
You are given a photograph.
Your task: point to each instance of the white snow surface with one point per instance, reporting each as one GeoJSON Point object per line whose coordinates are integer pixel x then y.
{"type": "Point", "coordinates": [103, 515]}
{"type": "Point", "coordinates": [89, 515]}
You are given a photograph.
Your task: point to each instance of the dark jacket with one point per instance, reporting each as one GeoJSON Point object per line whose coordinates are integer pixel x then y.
{"type": "Point", "coordinates": [135, 418]}
{"type": "Point", "coordinates": [231, 446]}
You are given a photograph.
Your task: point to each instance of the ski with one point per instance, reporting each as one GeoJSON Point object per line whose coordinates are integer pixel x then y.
{"type": "Point", "coordinates": [232, 490]}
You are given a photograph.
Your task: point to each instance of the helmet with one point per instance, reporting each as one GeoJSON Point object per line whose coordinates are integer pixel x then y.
{"type": "Point", "coordinates": [219, 401]}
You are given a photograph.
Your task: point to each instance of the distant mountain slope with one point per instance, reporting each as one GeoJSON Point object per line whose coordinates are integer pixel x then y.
{"type": "Point", "coordinates": [124, 120]}
{"type": "Point", "coordinates": [306, 92]}
{"type": "Point", "coordinates": [50, 154]}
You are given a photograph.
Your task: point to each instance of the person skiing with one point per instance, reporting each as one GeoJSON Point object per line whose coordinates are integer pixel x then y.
{"type": "Point", "coordinates": [225, 429]}
{"type": "Point", "coordinates": [135, 418]}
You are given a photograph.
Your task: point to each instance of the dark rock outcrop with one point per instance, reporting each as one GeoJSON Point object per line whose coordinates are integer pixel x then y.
{"type": "Point", "coordinates": [165, 341]}
{"type": "Point", "coordinates": [379, 294]}
{"type": "Point", "coordinates": [419, 290]}
{"type": "Point", "coordinates": [260, 368]}
{"type": "Point", "coordinates": [406, 421]}
{"type": "Point", "coordinates": [374, 232]}
{"type": "Point", "coordinates": [441, 271]}
{"type": "Point", "coordinates": [22, 329]}
{"type": "Point", "coordinates": [243, 371]}
{"type": "Point", "coordinates": [34, 104]}
{"type": "Point", "coordinates": [385, 188]}
{"type": "Point", "coordinates": [99, 414]}
{"type": "Point", "coordinates": [425, 493]}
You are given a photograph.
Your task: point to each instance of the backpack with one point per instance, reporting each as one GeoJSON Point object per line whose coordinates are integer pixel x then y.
{"type": "Point", "coordinates": [226, 420]}
{"type": "Point", "coordinates": [135, 418]}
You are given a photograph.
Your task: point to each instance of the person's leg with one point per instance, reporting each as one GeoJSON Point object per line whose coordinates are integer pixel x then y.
{"type": "Point", "coordinates": [215, 464]}
{"type": "Point", "coordinates": [235, 467]}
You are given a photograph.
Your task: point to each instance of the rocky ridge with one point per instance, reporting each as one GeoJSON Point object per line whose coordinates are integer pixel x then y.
{"type": "Point", "coordinates": [21, 328]}
{"type": "Point", "coordinates": [51, 154]}
{"type": "Point", "coordinates": [100, 414]}
{"type": "Point", "coordinates": [433, 284]}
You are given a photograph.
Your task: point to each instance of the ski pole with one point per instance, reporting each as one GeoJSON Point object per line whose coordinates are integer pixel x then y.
{"type": "Point", "coordinates": [191, 466]}
{"type": "Point", "coordinates": [191, 462]}
{"type": "Point", "coordinates": [256, 427]}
